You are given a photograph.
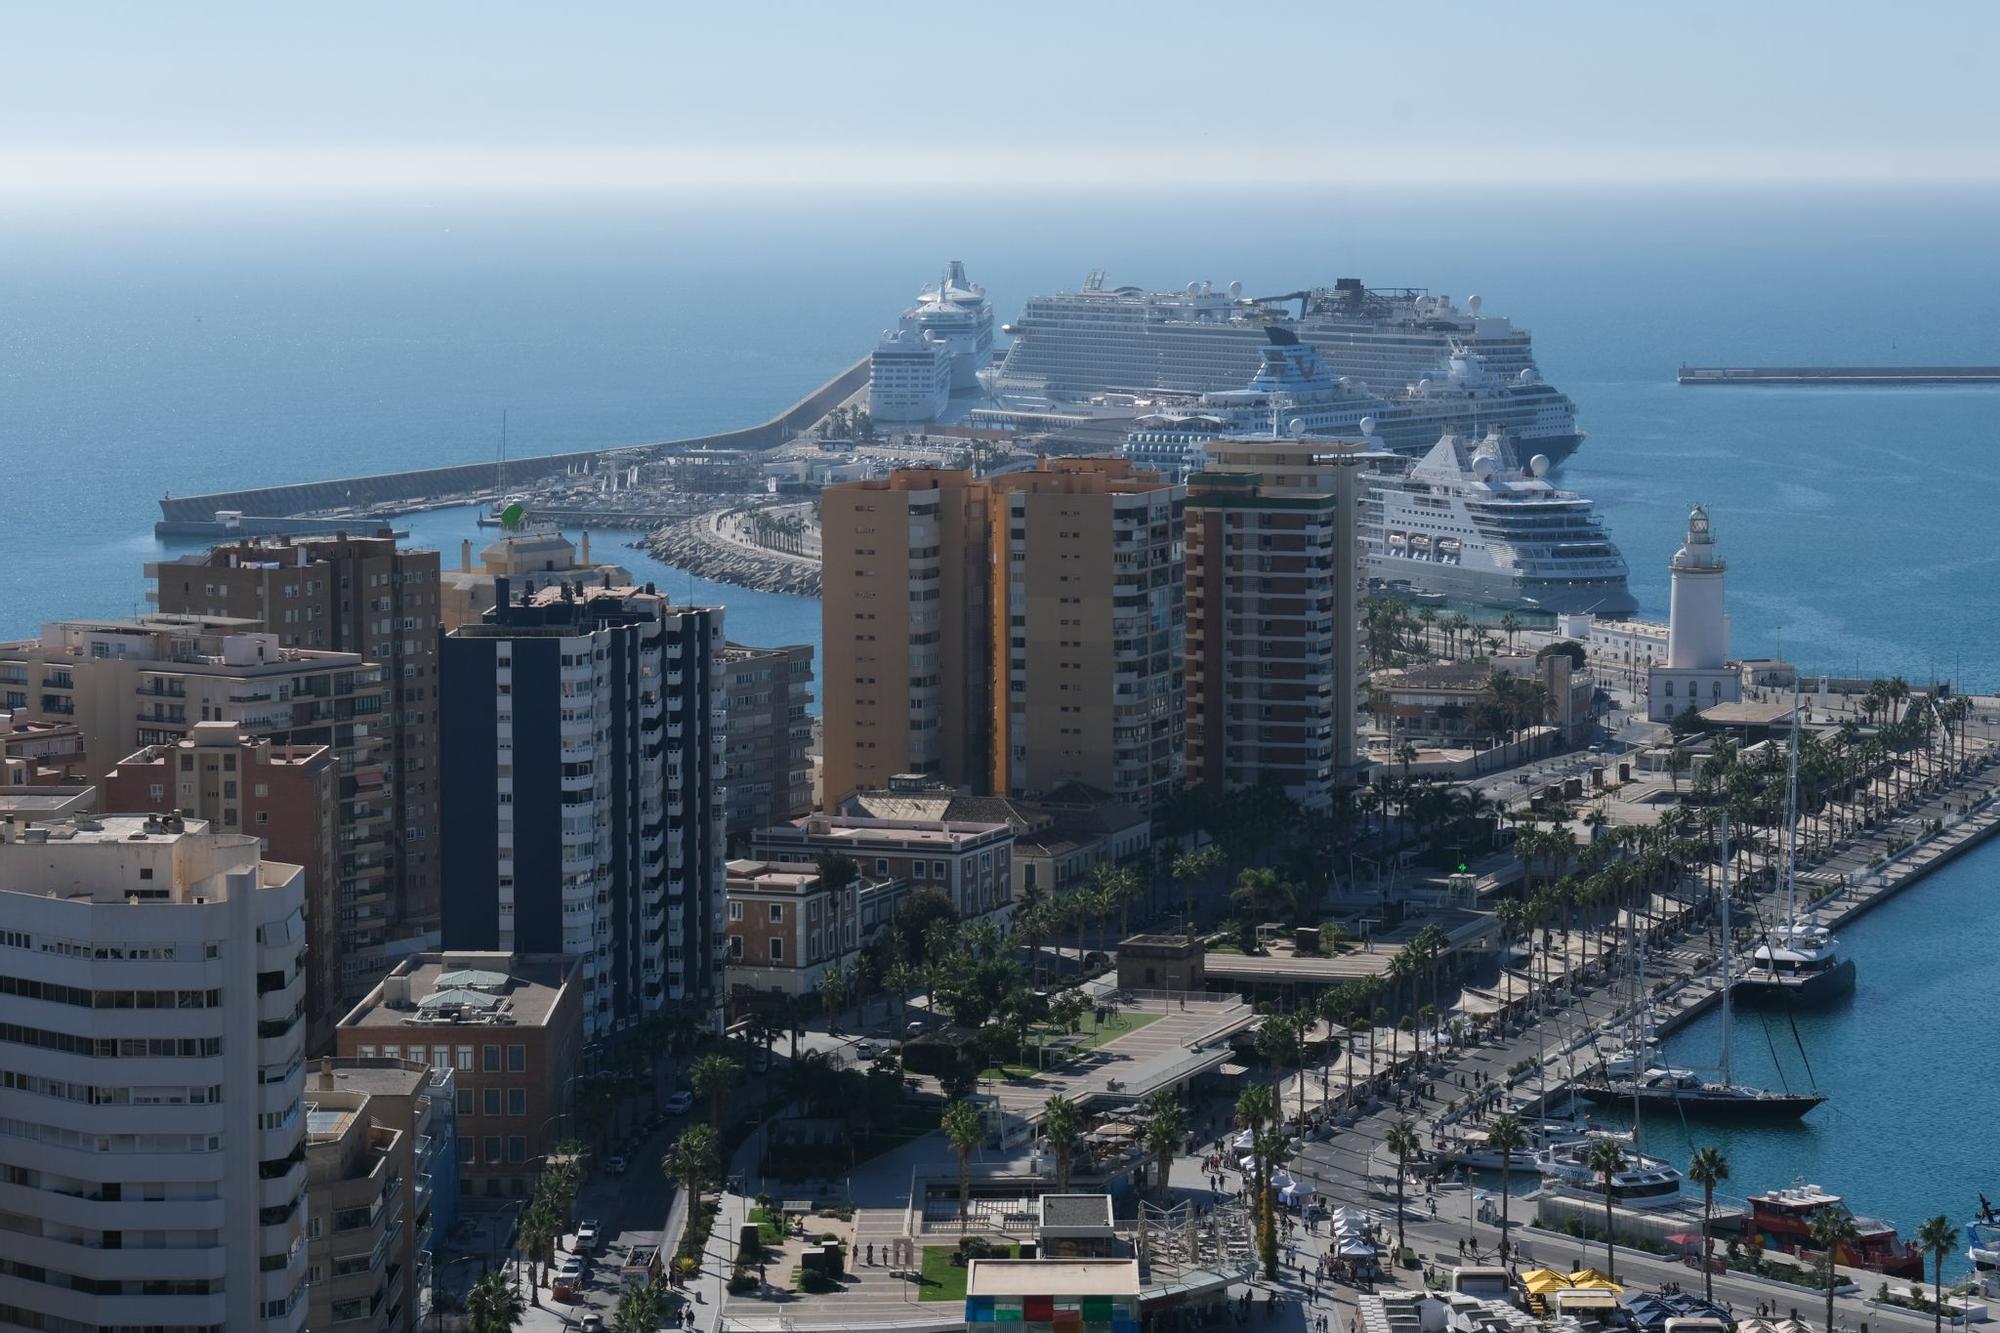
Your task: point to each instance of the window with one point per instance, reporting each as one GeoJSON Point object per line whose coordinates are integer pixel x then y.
{"type": "Point", "coordinates": [492, 1101]}
{"type": "Point", "coordinates": [937, 870]}
{"type": "Point", "coordinates": [777, 912]}
{"type": "Point", "coordinates": [517, 1149]}
{"type": "Point", "coordinates": [493, 1149]}
{"type": "Point", "coordinates": [777, 948]}
{"type": "Point", "coordinates": [917, 870]}
{"type": "Point", "coordinates": [465, 1058]}
{"type": "Point", "coordinates": [517, 1059]}
{"type": "Point", "coordinates": [517, 1101]}
{"type": "Point", "coordinates": [465, 1101]}
{"type": "Point", "coordinates": [736, 948]}
{"type": "Point", "coordinates": [735, 910]}
{"type": "Point", "coordinates": [490, 1060]}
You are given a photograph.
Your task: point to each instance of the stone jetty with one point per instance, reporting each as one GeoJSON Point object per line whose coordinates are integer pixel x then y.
{"type": "Point", "coordinates": [694, 544]}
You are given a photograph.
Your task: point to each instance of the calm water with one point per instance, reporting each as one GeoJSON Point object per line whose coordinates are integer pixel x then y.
{"type": "Point", "coordinates": [159, 347]}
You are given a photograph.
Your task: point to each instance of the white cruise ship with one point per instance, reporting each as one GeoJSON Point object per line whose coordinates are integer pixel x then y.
{"type": "Point", "coordinates": [1469, 524]}
{"type": "Point", "coordinates": [909, 374]}
{"type": "Point", "coordinates": [955, 310]}
{"type": "Point", "coordinates": [1070, 346]}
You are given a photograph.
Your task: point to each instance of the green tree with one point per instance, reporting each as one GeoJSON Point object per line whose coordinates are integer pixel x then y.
{"type": "Point", "coordinates": [493, 1306]}
{"type": "Point", "coordinates": [1506, 1136]}
{"type": "Point", "coordinates": [1257, 1107]}
{"type": "Point", "coordinates": [1062, 1126]}
{"type": "Point", "coordinates": [1166, 1130]}
{"type": "Point", "coordinates": [1607, 1159]}
{"type": "Point", "coordinates": [1401, 1140]}
{"type": "Point", "coordinates": [694, 1162]}
{"type": "Point", "coordinates": [965, 1131]}
{"type": "Point", "coordinates": [1196, 867]}
{"type": "Point", "coordinates": [1707, 1168]}
{"type": "Point", "coordinates": [1937, 1238]}
{"type": "Point", "coordinates": [712, 1077]}
{"type": "Point", "coordinates": [538, 1231]}
{"type": "Point", "coordinates": [1833, 1230]}
{"type": "Point", "coordinates": [640, 1309]}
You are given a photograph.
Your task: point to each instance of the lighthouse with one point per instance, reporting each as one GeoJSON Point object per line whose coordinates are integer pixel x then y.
{"type": "Point", "coordinates": [1696, 673]}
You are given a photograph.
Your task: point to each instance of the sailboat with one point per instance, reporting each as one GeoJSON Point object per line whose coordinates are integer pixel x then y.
{"type": "Point", "coordinates": [1683, 1089]}
{"type": "Point", "coordinates": [1799, 964]}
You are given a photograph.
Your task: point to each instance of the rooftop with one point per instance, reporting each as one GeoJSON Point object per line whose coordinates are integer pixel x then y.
{"type": "Point", "coordinates": [432, 989]}
{"type": "Point", "coordinates": [1052, 1277]}
{"type": "Point", "coordinates": [120, 859]}
{"type": "Point", "coordinates": [943, 834]}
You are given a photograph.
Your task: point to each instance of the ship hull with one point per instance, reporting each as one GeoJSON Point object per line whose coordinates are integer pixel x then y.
{"type": "Point", "coordinates": [1476, 587]}
{"type": "Point", "coordinates": [1776, 1109]}
{"type": "Point", "coordinates": [1816, 989]}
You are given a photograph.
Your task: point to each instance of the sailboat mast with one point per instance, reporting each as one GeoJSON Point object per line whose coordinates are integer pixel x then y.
{"type": "Point", "coordinates": [1792, 816]}
{"type": "Point", "coordinates": [1645, 1033]}
{"type": "Point", "coordinates": [1728, 958]}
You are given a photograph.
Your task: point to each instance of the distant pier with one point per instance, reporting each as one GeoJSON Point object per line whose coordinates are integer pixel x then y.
{"type": "Point", "coordinates": [1839, 375]}
{"type": "Point", "coordinates": [272, 509]}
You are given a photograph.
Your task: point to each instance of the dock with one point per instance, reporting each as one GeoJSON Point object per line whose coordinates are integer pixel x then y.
{"type": "Point", "coordinates": [1878, 375]}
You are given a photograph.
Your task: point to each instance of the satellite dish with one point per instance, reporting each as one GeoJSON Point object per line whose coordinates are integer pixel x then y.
{"type": "Point", "coordinates": [1539, 465]}
{"type": "Point", "coordinates": [1472, 304]}
{"type": "Point", "coordinates": [1296, 428]}
{"type": "Point", "coordinates": [1482, 467]}
{"type": "Point", "coordinates": [1194, 289]}
{"type": "Point", "coordinates": [1368, 426]}
{"type": "Point", "coordinates": [1235, 289]}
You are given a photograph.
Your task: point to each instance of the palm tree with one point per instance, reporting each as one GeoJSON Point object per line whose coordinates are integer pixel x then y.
{"type": "Point", "coordinates": [493, 1306]}
{"type": "Point", "coordinates": [963, 1127]}
{"type": "Point", "coordinates": [1401, 1140]}
{"type": "Point", "coordinates": [1707, 1168]}
{"type": "Point", "coordinates": [1256, 1107]}
{"type": "Point", "coordinates": [1937, 1237]}
{"type": "Point", "coordinates": [1832, 1229]}
{"type": "Point", "coordinates": [640, 1309]}
{"type": "Point", "coordinates": [694, 1160]}
{"type": "Point", "coordinates": [1166, 1130]}
{"type": "Point", "coordinates": [1278, 1042]}
{"type": "Point", "coordinates": [1193, 867]}
{"type": "Point", "coordinates": [539, 1228]}
{"type": "Point", "coordinates": [712, 1077]}
{"type": "Point", "coordinates": [1607, 1159]}
{"type": "Point", "coordinates": [1506, 1136]}
{"type": "Point", "coordinates": [1062, 1126]}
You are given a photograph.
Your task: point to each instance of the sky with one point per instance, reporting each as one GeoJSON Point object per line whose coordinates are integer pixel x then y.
{"type": "Point", "coordinates": [220, 95]}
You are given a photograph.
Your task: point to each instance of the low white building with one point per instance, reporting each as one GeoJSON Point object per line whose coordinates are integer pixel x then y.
{"type": "Point", "coordinates": [909, 375]}
{"type": "Point", "coordinates": [1621, 652]}
{"type": "Point", "coordinates": [153, 1163]}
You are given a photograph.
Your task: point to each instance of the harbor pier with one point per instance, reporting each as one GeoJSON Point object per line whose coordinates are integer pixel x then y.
{"type": "Point", "coordinates": [1878, 375]}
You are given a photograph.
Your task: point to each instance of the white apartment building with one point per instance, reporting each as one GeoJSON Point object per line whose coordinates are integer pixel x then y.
{"type": "Point", "coordinates": [152, 1144]}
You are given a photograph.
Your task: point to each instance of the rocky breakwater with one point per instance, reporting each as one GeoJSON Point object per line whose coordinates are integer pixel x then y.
{"type": "Point", "coordinates": [695, 545]}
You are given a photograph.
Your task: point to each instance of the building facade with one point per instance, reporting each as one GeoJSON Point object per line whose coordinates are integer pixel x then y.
{"type": "Point", "coordinates": [768, 693]}
{"type": "Point", "coordinates": [583, 734]}
{"type": "Point", "coordinates": [152, 994]}
{"type": "Point", "coordinates": [282, 795]}
{"type": "Point", "coordinates": [363, 595]}
{"type": "Point", "coordinates": [509, 1028]}
{"type": "Point", "coordinates": [970, 863]}
{"type": "Point", "coordinates": [1262, 638]}
{"type": "Point", "coordinates": [128, 684]}
{"type": "Point", "coordinates": [465, 594]}
{"type": "Point", "coordinates": [377, 1134]}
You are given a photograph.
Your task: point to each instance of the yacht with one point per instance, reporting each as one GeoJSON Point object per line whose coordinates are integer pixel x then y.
{"type": "Point", "coordinates": [1646, 1182]}
{"type": "Point", "coordinates": [1396, 344]}
{"type": "Point", "coordinates": [1983, 1233]}
{"type": "Point", "coordinates": [1784, 1217]}
{"type": "Point", "coordinates": [1469, 523]}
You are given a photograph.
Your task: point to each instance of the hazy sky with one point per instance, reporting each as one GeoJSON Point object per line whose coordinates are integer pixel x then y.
{"type": "Point", "coordinates": [208, 93]}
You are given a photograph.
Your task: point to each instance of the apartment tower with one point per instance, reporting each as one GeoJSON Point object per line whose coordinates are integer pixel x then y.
{"type": "Point", "coordinates": [154, 1163]}
{"type": "Point", "coordinates": [584, 815]}
{"type": "Point", "coordinates": [362, 595]}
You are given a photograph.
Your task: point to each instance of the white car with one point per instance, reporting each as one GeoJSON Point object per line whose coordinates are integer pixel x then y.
{"type": "Point", "coordinates": [570, 1269]}
{"type": "Point", "coordinates": [864, 1050]}
{"type": "Point", "coordinates": [589, 1235]}
{"type": "Point", "coordinates": [680, 1102]}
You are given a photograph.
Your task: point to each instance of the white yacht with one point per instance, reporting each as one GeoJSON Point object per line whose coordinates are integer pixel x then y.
{"type": "Point", "coordinates": [1388, 343]}
{"type": "Point", "coordinates": [955, 310]}
{"type": "Point", "coordinates": [1645, 1182]}
{"type": "Point", "coordinates": [1470, 524]}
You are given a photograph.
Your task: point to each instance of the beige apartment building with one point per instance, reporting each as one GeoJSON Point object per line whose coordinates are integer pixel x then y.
{"type": "Point", "coordinates": [1332, 467]}
{"type": "Point", "coordinates": [1006, 634]}
{"type": "Point", "coordinates": [352, 594]}
{"type": "Point", "coordinates": [131, 684]}
{"type": "Point", "coordinates": [1261, 637]}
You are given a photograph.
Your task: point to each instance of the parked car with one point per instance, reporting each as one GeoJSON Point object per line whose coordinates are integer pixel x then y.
{"type": "Point", "coordinates": [570, 1270]}
{"type": "Point", "coordinates": [589, 1235]}
{"type": "Point", "coordinates": [592, 1323]}
{"type": "Point", "coordinates": [680, 1102]}
{"type": "Point", "coordinates": [864, 1050]}
{"type": "Point", "coordinates": [615, 1165]}
{"type": "Point", "coordinates": [915, 1028]}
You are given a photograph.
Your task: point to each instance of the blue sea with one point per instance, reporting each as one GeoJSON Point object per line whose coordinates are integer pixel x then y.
{"type": "Point", "coordinates": [151, 346]}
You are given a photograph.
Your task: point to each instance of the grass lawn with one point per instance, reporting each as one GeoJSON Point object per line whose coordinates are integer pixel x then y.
{"type": "Point", "coordinates": [770, 1228]}
{"type": "Point", "coordinates": [1088, 1036]}
{"type": "Point", "coordinates": [945, 1280]}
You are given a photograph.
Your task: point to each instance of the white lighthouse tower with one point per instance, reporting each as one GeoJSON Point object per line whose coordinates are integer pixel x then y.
{"type": "Point", "coordinates": [1697, 673]}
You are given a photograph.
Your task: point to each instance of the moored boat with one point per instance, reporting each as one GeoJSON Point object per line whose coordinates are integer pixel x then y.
{"type": "Point", "coordinates": [1784, 1218]}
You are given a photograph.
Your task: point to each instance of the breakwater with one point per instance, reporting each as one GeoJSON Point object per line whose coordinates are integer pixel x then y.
{"type": "Point", "coordinates": [1839, 375]}
{"type": "Point", "coordinates": [196, 515]}
{"type": "Point", "coordinates": [693, 545]}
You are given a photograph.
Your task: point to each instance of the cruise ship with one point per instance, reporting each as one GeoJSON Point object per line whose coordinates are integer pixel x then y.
{"type": "Point", "coordinates": [954, 309]}
{"type": "Point", "coordinates": [1071, 346]}
{"type": "Point", "coordinates": [1293, 384]}
{"type": "Point", "coordinates": [1469, 524]}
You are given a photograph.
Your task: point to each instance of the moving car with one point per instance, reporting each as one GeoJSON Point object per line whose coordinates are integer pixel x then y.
{"type": "Point", "coordinates": [615, 1165]}
{"type": "Point", "coordinates": [589, 1235]}
{"type": "Point", "coordinates": [680, 1102]}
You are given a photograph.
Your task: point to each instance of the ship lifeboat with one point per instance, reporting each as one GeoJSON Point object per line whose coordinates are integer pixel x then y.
{"type": "Point", "coordinates": [1399, 541]}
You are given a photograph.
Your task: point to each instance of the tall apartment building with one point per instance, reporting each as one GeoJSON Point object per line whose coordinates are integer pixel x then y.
{"type": "Point", "coordinates": [906, 628]}
{"type": "Point", "coordinates": [1008, 634]}
{"type": "Point", "coordinates": [584, 815]}
{"type": "Point", "coordinates": [283, 795]}
{"type": "Point", "coordinates": [1333, 467]}
{"type": "Point", "coordinates": [381, 1163]}
{"type": "Point", "coordinates": [769, 751]}
{"type": "Point", "coordinates": [1261, 637]}
{"type": "Point", "coordinates": [362, 595]}
{"type": "Point", "coordinates": [541, 554]}
{"type": "Point", "coordinates": [135, 683]}
{"type": "Point", "coordinates": [153, 1168]}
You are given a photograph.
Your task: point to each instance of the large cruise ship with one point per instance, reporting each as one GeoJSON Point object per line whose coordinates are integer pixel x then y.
{"type": "Point", "coordinates": [955, 310]}
{"type": "Point", "coordinates": [1292, 384]}
{"type": "Point", "coordinates": [1072, 345]}
{"type": "Point", "coordinates": [1468, 523]}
